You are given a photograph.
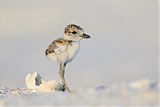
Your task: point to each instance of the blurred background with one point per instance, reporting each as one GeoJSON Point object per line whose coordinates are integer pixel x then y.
{"type": "Point", "coordinates": [123, 47]}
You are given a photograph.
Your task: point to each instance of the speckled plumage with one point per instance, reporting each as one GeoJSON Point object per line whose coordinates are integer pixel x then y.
{"type": "Point", "coordinates": [72, 27]}
{"type": "Point", "coordinates": [63, 50]}
{"type": "Point", "coordinates": [55, 45]}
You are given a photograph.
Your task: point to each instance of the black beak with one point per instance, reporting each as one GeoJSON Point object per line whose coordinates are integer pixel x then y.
{"type": "Point", "coordinates": [85, 36]}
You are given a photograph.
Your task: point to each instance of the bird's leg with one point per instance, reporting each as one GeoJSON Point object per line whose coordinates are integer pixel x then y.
{"type": "Point", "coordinates": [61, 73]}
{"type": "Point", "coordinates": [66, 87]}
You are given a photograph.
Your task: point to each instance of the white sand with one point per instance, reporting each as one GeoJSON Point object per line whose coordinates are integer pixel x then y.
{"type": "Point", "coordinates": [136, 93]}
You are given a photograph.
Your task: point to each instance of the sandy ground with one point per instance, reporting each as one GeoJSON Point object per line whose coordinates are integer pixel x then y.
{"type": "Point", "coordinates": [141, 93]}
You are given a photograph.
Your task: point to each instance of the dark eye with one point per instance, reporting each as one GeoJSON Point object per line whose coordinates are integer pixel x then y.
{"type": "Point", "coordinates": [74, 32]}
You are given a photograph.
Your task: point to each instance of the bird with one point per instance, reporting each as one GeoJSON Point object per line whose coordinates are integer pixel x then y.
{"type": "Point", "coordinates": [64, 49]}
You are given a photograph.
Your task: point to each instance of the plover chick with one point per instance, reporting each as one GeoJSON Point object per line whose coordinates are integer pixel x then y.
{"type": "Point", "coordinates": [63, 50]}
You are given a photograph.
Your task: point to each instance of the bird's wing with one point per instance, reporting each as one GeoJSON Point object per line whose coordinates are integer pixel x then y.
{"type": "Point", "coordinates": [57, 46]}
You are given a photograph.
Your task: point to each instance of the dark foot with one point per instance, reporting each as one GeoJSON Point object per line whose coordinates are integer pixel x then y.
{"type": "Point", "coordinates": [60, 87]}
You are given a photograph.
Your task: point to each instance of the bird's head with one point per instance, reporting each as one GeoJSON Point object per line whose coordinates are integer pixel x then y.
{"type": "Point", "coordinates": [75, 33]}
